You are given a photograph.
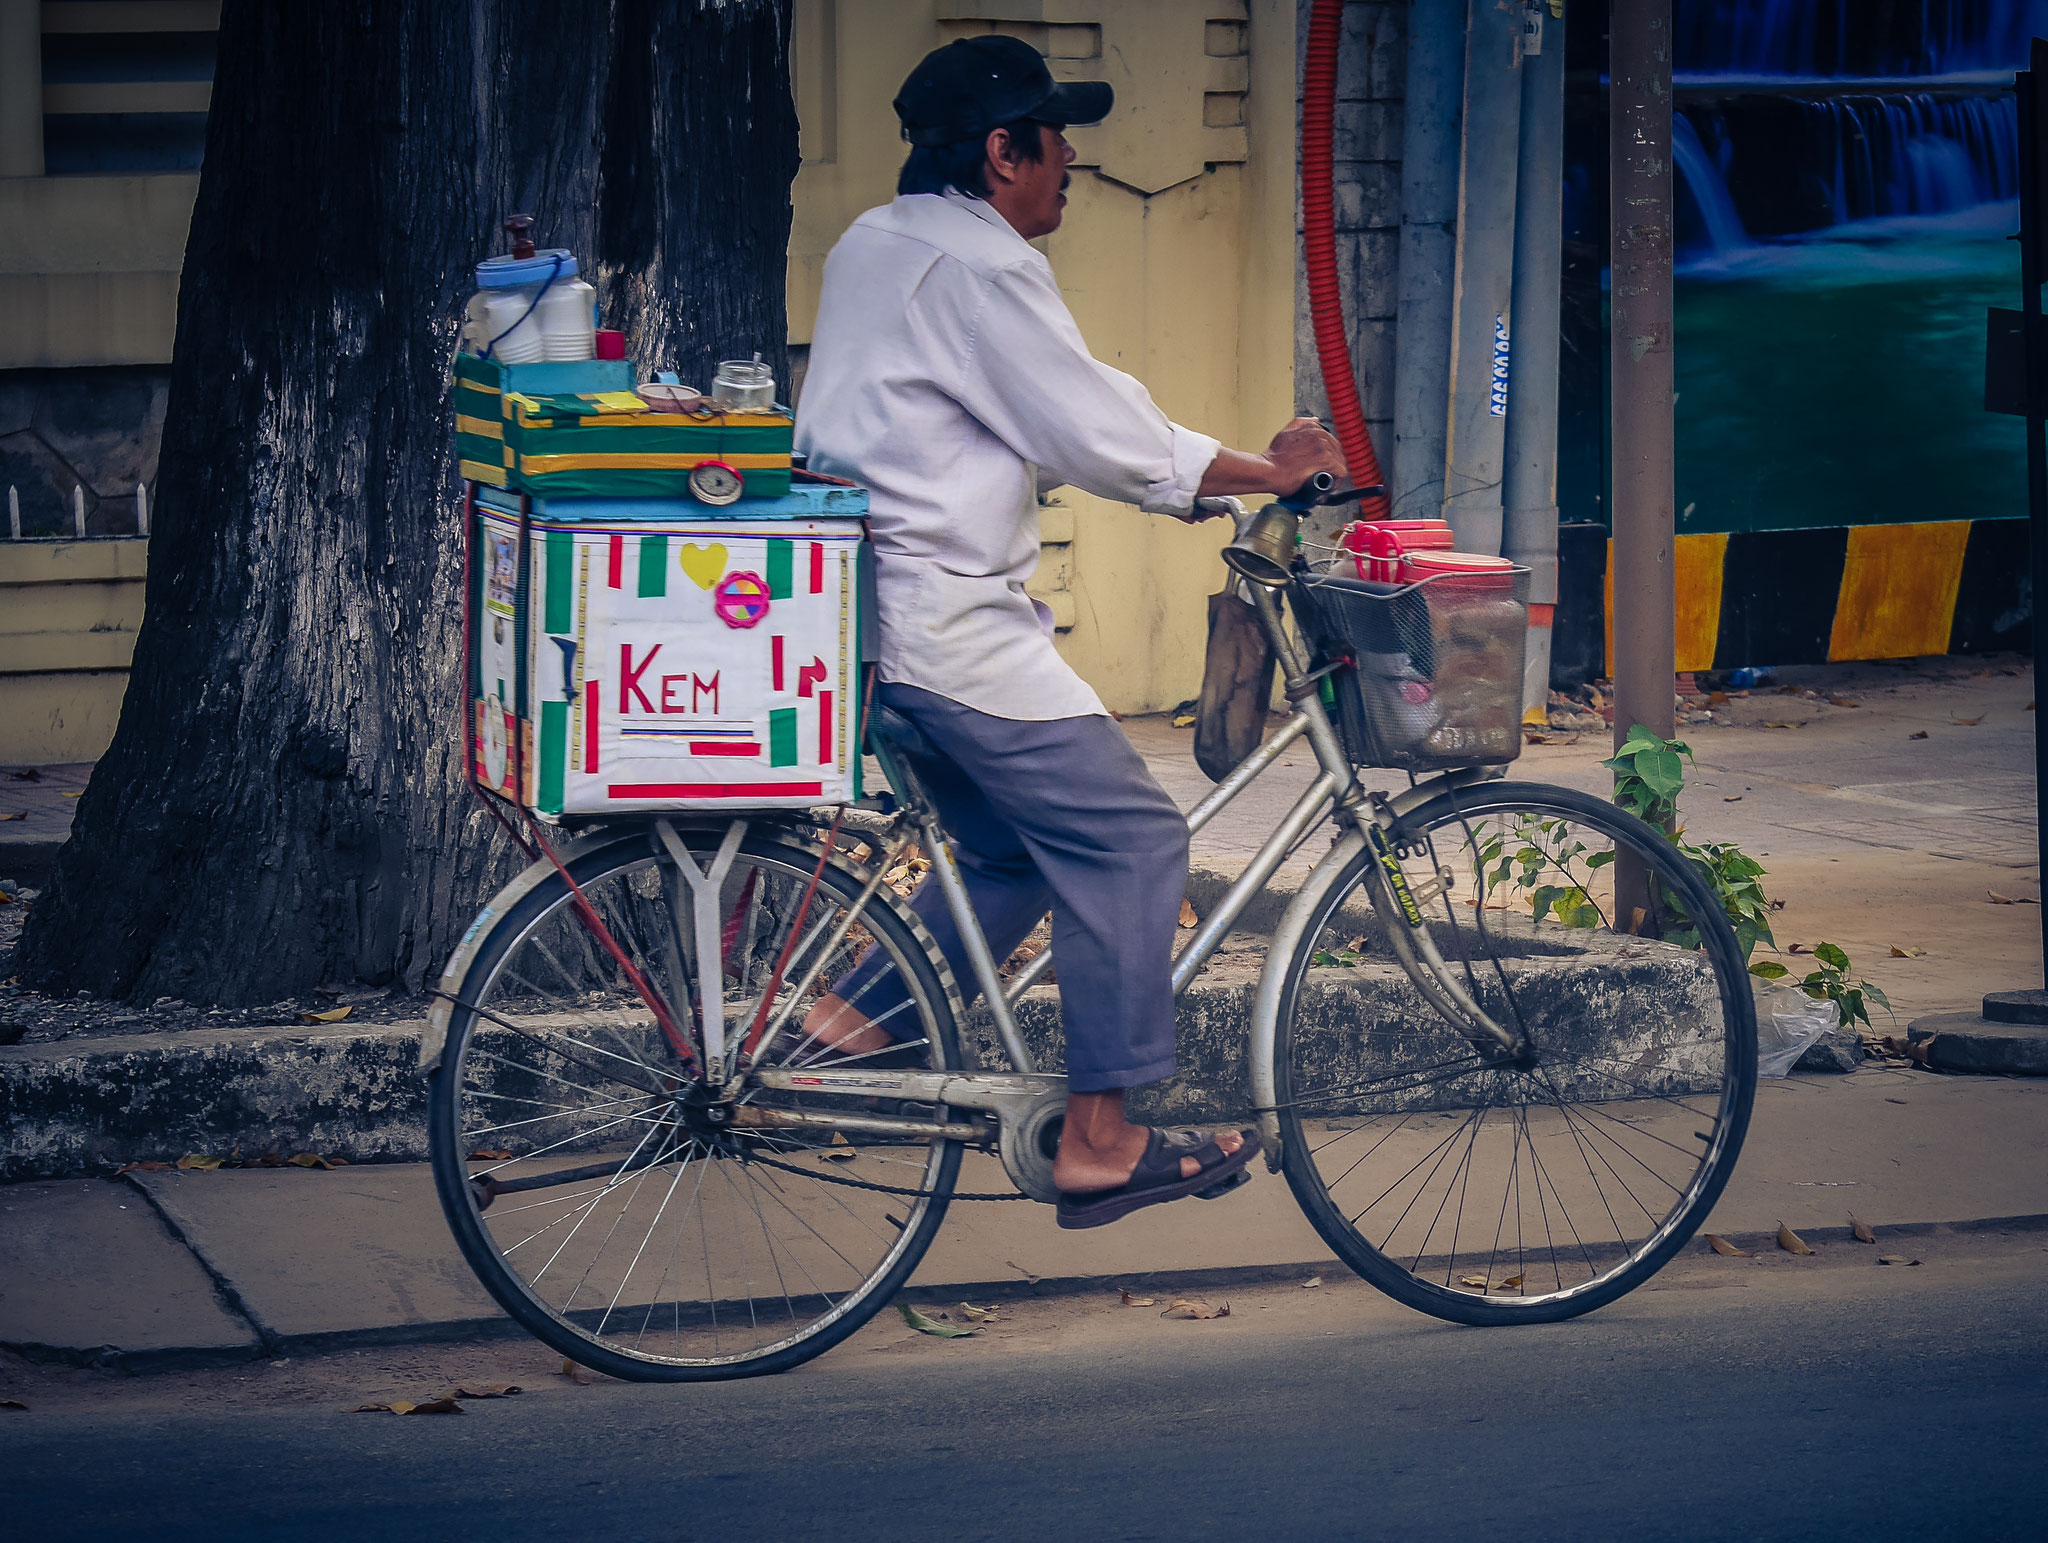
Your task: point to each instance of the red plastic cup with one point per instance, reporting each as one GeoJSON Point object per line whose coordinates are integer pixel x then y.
{"type": "Point", "coordinates": [610, 344]}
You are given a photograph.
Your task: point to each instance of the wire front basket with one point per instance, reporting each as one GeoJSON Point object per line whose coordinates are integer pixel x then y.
{"type": "Point", "coordinates": [1429, 675]}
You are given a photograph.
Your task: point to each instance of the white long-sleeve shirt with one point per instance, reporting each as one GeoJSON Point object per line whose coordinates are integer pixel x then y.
{"type": "Point", "coordinates": [948, 378]}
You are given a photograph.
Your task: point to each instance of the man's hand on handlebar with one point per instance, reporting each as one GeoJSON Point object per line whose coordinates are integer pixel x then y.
{"type": "Point", "coordinates": [1296, 454]}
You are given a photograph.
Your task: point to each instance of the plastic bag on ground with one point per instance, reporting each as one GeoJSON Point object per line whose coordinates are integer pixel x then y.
{"type": "Point", "coordinates": [1788, 1022]}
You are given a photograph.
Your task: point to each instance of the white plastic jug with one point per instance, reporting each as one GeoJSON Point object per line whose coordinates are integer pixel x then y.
{"type": "Point", "coordinates": [567, 315]}
{"type": "Point", "coordinates": [513, 319]}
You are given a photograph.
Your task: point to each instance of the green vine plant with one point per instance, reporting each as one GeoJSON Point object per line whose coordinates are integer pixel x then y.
{"type": "Point", "coordinates": [1831, 983]}
{"type": "Point", "coordinates": [1649, 775]}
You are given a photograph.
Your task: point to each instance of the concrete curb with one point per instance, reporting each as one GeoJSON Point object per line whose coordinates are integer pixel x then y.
{"type": "Point", "coordinates": [90, 1105]}
{"type": "Point", "coordinates": [474, 1330]}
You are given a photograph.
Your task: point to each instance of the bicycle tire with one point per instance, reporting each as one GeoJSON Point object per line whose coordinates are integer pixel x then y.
{"type": "Point", "coordinates": [791, 857]}
{"type": "Point", "coordinates": [1652, 1100]}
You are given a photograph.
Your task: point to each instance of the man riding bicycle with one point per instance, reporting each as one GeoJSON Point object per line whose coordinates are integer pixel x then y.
{"type": "Point", "coordinates": [947, 376]}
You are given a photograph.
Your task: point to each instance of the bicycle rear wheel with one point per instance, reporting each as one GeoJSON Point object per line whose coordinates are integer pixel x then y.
{"type": "Point", "coordinates": [1484, 1188]}
{"type": "Point", "coordinates": [599, 1191]}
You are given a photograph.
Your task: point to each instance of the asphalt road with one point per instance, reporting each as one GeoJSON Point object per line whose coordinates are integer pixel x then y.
{"type": "Point", "coordinates": [1775, 1399]}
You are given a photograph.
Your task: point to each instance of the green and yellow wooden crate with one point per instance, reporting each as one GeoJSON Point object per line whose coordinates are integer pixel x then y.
{"type": "Point", "coordinates": [577, 431]}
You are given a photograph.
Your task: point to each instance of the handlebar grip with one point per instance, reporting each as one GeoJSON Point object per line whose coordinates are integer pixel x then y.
{"type": "Point", "coordinates": [1310, 492]}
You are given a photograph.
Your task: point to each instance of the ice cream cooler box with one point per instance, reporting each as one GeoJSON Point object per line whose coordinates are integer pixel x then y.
{"type": "Point", "coordinates": [678, 663]}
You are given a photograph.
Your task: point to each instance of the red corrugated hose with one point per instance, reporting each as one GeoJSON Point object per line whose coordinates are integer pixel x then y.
{"type": "Point", "coordinates": [1319, 240]}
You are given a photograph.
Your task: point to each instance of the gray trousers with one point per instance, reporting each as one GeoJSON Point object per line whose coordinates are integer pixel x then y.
{"type": "Point", "coordinates": [1057, 814]}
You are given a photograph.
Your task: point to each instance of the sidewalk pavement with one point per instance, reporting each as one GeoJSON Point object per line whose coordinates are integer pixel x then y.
{"type": "Point", "coordinates": [1891, 804]}
{"type": "Point", "coordinates": [36, 806]}
{"type": "Point", "coordinates": [184, 1268]}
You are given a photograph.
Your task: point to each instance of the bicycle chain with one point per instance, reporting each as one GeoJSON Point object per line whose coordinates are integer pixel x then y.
{"type": "Point", "coordinates": [880, 1189]}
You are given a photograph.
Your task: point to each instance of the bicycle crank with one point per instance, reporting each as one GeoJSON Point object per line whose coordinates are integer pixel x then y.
{"type": "Point", "coordinates": [1028, 1107]}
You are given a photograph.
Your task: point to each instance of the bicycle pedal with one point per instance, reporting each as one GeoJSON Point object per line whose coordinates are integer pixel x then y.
{"type": "Point", "coordinates": [1223, 1187]}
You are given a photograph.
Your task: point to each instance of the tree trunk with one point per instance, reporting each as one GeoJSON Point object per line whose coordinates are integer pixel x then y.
{"type": "Point", "coordinates": [283, 804]}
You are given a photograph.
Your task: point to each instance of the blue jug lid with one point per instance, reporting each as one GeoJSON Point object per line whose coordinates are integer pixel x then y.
{"type": "Point", "coordinates": [520, 272]}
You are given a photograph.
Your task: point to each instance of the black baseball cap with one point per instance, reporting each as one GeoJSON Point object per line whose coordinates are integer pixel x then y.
{"type": "Point", "coordinates": [972, 85]}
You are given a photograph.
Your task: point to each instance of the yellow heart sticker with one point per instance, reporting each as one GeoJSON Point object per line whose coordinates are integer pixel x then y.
{"type": "Point", "coordinates": [704, 564]}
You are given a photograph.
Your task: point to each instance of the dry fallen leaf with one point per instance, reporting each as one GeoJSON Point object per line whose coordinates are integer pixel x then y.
{"type": "Point", "coordinates": [12, 1403]}
{"type": "Point", "coordinates": [332, 1015]}
{"type": "Point", "coordinates": [193, 1160]}
{"type": "Point", "coordinates": [1895, 1259]}
{"type": "Point", "coordinates": [1844, 701]}
{"type": "Point", "coordinates": [1998, 899]}
{"type": "Point", "coordinates": [840, 1151]}
{"type": "Point", "coordinates": [582, 1376]}
{"type": "Point", "coordinates": [1781, 725]}
{"type": "Point", "coordinates": [490, 1155]}
{"type": "Point", "coordinates": [488, 1390]}
{"type": "Point", "coordinates": [1476, 1282]}
{"type": "Point", "coordinates": [141, 1168]}
{"type": "Point", "coordinates": [1312, 1283]}
{"type": "Point", "coordinates": [1188, 918]}
{"type": "Point", "coordinates": [975, 1314]}
{"type": "Point", "coordinates": [1184, 721]}
{"type": "Point", "coordinates": [446, 1405]}
{"type": "Point", "coordinates": [1137, 1301]}
{"type": "Point", "coordinates": [313, 1160]}
{"type": "Point", "coordinates": [1791, 1241]}
{"type": "Point", "coordinates": [924, 1325]}
{"type": "Point", "coordinates": [1731, 798]}
{"type": "Point", "coordinates": [1721, 1245]}
{"type": "Point", "coordinates": [396, 1406]}
{"type": "Point", "coordinates": [1908, 952]}
{"type": "Point", "coordinates": [74, 795]}
{"type": "Point", "coordinates": [1860, 1231]}
{"type": "Point", "coordinates": [1184, 1307]}
{"type": "Point", "coordinates": [1917, 734]}
{"type": "Point", "coordinates": [1798, 948]}
{"type": "Point", "coordinates": [19, 814]}
{"type": "Point", "coordinates": [1967, 723]}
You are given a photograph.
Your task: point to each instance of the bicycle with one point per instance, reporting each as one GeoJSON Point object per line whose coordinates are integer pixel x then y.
{"type": "Point", "coordinates": [1514, 1115]}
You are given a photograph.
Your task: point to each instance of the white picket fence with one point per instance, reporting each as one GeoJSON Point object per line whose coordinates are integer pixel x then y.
{"type": "Point", "coordinates": [77, 532]}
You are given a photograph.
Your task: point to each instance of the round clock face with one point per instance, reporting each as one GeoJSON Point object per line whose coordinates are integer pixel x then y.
{"type": "Point", "coordinates": [494, 744]}
{"type": "Point", "coordinates": [715, 483]}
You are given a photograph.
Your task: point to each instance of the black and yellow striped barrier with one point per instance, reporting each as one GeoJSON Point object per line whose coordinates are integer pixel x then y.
{"type": "Point", "coordinates": [1814, 596]}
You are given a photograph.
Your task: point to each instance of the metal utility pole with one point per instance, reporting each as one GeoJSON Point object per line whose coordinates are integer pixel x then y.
{"type": "Point", "coordinates": [1429, 248]}
{"type": "Point", "coordinates": [2033, 270]}
{"type": "Point", "coordinates": [1529, 494]}
{"type": "Point", "coordinates": [1475, 445]}
{"type": "Point", "coordinates": [1639, 223]}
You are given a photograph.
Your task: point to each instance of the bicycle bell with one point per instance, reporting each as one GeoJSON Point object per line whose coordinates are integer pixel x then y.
{"type": "Point", "coordinates": [1264, 549]}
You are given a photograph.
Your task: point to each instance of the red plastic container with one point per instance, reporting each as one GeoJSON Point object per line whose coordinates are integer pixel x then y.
{"type": "Point", "coordinates": [1378, 545]}
{"type": "Point", "coordinates": [610, 344]}
{"type": "Point", "coordinates": [1468, 571]}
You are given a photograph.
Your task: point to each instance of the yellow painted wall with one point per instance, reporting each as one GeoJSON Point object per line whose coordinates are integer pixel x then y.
{"type": "Point", "coordinates": [68, 615]}
{"type": "Point", "coordinates": [1176, 256]}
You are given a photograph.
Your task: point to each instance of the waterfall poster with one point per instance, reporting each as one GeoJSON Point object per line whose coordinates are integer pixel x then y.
{"type": "Point", "coordinates": [1847, 181]}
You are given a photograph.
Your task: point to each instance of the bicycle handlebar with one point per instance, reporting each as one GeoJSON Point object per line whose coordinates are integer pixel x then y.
{"type": "Point", "coordinates": [1322, 488]}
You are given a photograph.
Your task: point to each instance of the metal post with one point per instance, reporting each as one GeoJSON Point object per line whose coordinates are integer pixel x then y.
{"type": "Point", "coordinates": [1429, 216]}
{"type": "Point", "coordinates": [1639, 215]}
{"type": "Point", "coordinates": [21, 88]}
{"type": "Point", "coordinates": [2033, 161]}
{"type": "Point", "coordinates": [1476, 443]}
{"type": "Point", "coordinates": [1529, 495]}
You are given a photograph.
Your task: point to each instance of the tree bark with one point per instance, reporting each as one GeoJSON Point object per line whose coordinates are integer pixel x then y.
{"type": "Point", "coordinates": [283, 803]}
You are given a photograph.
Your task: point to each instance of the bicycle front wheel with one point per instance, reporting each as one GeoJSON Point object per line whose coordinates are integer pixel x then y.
{"type": "Point", "coordinates": [1489, 1188]}
{"type": "Point", "coordinates": [608, 1199]}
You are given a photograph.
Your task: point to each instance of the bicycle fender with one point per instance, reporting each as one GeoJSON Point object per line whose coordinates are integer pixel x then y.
{"type": "Point", "coordinates": [434, 1042]}
{"type": "Point", "coordinates": [1287, 937]}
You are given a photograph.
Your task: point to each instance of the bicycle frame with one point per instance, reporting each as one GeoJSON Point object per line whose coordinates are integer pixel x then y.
{"type": "Point", "coordinates": [1024, 1100]}
{"type": "Point", "coordinates": [1336, 790]}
